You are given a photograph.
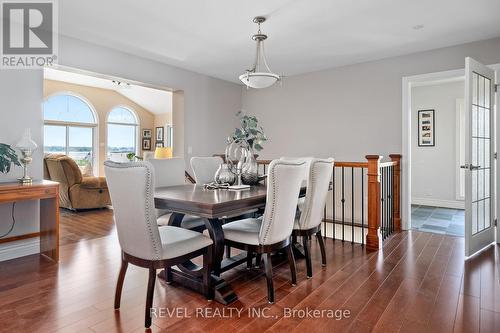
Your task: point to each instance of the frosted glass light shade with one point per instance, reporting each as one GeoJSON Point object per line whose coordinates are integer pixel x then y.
{"type": "Point", "coordinates": [26, 143]}
{"type": "Point", "coordinates": [259, 80]}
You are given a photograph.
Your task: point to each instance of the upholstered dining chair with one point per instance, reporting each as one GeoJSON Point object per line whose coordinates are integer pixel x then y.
{"type": "Point", "coordinates": [142, 242]}
{"type": "Point", "coordinates": [171, 172]}
{"type": "Point", "coordinates": [271, 232]}
{"type": "Point", "coordinates": [311, 211]}
{"type": "Point", "coordinates": [204, 168]}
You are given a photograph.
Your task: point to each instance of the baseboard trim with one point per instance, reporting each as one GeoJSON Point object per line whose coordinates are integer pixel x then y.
{"type": "Point", "coordinates": [19, 248]}
{"type": "Point", "coordinates": [438, 203]}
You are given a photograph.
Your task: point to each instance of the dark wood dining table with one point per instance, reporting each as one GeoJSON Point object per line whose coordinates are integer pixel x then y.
{"type": "Point", "coordinates": [213, 206]}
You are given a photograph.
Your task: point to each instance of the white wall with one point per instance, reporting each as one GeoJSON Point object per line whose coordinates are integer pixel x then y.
{"type": "Point", "coordinates": [433, 169]}
{"type": "Point", "coordinates": [351, 111]}
{"type": "Point", "coordinates": [21, 96]}
{"type": "Point", "coordinates": [210, 105]}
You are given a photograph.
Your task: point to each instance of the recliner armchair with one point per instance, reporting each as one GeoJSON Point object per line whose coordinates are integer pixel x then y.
{"type": "Point", "coordinates": [75, 191]}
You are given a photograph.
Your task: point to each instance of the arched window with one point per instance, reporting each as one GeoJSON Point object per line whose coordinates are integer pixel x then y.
{"type": "Point", "coordinates": [70, 125]}
{"type": "Point", "coordinates": [122, 133]}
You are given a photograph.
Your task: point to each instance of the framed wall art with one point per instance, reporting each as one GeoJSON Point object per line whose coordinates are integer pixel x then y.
{"type": "Point", "coordinates": [426, 128]}
{"type": "Point", "coordinates": [159, 134]}
{"type": "Point", "coordinates": [146, 144]}
{"type": "Point", "coordinates": [146, 133]}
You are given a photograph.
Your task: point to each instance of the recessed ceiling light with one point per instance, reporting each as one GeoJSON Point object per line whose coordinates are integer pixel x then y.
{"type": "Point", "coordinates": [418, 27]}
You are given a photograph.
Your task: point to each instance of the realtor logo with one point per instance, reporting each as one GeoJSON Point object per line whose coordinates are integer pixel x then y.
{"type": "Point", "coordinates": [29, 36]}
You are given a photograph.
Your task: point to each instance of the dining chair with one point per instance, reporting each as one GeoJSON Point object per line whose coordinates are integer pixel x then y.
{"type": "Point", "coordinates": [171, 172]}
{"type": "Point", "coordinates": [143, 243]}
{"type": "Point", "coordinates": [271, 232]}
{"type": "Point", "coordinates": [311, 212]}
{"type": "Point", "coordinates": [204, 168]}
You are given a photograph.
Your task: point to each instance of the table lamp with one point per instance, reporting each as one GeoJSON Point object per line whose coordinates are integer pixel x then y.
{"type": "Point", "coordinates": [163, 152]}
{"type": "Point", "coordinates": [26, 145]}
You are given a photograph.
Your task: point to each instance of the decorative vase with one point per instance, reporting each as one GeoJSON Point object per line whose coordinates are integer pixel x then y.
{"type": "Point", "coordinates": [250, 169]}
{"type": "Point", "coordinates": [224, 175]}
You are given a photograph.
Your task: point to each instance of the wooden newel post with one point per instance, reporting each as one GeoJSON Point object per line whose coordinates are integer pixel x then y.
{"type": "Point", "coordinates": [372, 239]}
{"type": "Point", "coordinates": [397, 190]}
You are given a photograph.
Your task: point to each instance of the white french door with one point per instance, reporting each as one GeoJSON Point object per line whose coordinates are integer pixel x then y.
{"type": "Point", "coordinates": [479, 156]}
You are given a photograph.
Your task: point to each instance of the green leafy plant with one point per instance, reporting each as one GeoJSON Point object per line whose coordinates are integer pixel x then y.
{"type": "Point", "coordinates": [250, 132]}
{"type": "Point", "coordinates": [131, 156]}
{"type": "Point", "coordinates": [8, 157]}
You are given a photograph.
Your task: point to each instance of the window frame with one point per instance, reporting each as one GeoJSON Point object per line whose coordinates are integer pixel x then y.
{"type": "Point", "coordinates": [137, 126]}
{"type": "Point", "coordinates": [67, 124]}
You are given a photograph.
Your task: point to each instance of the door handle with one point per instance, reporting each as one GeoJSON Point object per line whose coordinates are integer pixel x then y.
{"type": "Point", "coordinates": [470, 167]}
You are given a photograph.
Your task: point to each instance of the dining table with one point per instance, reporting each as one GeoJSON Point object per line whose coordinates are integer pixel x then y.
{"type": "Point", "coordinates": [214, 207]}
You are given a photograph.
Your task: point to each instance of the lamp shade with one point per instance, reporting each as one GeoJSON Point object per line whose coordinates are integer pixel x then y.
{"type": "Point", "coordinates": [259, 80]}
{"type": "Point", "coordinates": [26, 143]}
{"type": "Point", "coordinates": [163, 152]}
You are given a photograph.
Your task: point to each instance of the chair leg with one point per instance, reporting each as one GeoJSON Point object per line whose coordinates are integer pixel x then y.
{"type": "Point", "coordinates": [149, 297]}
{"type": "Point", "coordinates": [291, 262]}
{"type": "Point", "coordinates": [168, 275]}
{"type": "Point", "coordinates": [228, 252]}
{"type": "Point", "coordinates": [322, 248]}
{"type": "Point", "coordinates": [208, 288]}
{"type": "Point", "coordinates": [249, 259]}
{"type": "Point", "coordinates": [258, 260]}
{"type": "Point", "coordinates": [269, 276]}
{"type": "Point", "coordinates": [119, 284]}
{"type": "Point", "coordinates": [307, 252]}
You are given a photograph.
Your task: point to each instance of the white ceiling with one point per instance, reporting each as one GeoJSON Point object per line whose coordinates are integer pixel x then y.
{"type": "Point", "coordinates": [154, 100]}
{"type": "Point", "coordinates": [214, 37]}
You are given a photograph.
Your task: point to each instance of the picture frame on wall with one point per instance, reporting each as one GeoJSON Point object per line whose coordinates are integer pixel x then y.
{"type": "Point", "coordinates": [147, 133]}
{"type": "Point", "coordinates": [160, 135]}
{"type": "Point", "coordinates": [159, 144]}
{"type": "Point", "coordinates": [146, 144]}
{"type": "Point", "coordinates": [426, 128]}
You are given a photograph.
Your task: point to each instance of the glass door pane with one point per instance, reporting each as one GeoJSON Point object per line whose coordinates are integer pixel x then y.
{"type": "Point", "coordinates": [479, 151]}
{"type": "Point", "coordinates": [54, 139]}
{"type": "Point", "coordinates": [121, 141]}
{"type": "Point", "coordinates": [80, 143]}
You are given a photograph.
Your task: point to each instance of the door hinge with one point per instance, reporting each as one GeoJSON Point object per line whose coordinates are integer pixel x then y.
{"type": "Point", "coordinates": [495, 222]}
{"type": "Point", "coordinates": [495, 155]}
{"type": "Point", "coordinates": [496, 87]}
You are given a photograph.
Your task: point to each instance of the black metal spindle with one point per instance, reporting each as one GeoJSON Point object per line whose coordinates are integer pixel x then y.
{"type": "Point", "coordinates": [387, 217]}
{"type": "Point", "coordinates": [343, 202]}
{"type": "Point", "coordinates": [382, 196]}
{"type": "Point", "coordinates": [362, 207]}
{"type": "Point", "coordinates": [333, 205]}
{"type": "Point", "coordinates": [387, 202]}
{"type": "Point", "coordinates": [392, 199]}
{"type": "Point", "coordinates": [324, 222]}
{"type": "Point", "coordinates": [352, 205]}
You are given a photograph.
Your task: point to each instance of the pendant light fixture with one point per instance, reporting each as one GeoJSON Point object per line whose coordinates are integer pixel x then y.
{"type": "Point", "coordinates": [255, 77]}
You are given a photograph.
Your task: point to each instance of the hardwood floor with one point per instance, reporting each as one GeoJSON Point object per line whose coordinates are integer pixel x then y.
{"type": "Point", "coordinates": [84, 225]}
{"type": "Point", "coordinates": [417, 283]}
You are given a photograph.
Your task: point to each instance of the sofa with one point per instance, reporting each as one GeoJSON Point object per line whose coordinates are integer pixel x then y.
{"type": "Point", "coordinates": [75, 191]}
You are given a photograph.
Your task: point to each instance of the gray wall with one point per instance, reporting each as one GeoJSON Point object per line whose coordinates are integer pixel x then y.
{"type": "Point", "coordinates": [209, 104]}
{"type": "Point", "coordinates": [351, 111]}
{"type": "Point", "coordinates": [434, 169]}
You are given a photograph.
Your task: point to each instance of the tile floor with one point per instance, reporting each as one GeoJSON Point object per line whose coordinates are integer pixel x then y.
{"type": "Point", "coordinates": [438, 220]}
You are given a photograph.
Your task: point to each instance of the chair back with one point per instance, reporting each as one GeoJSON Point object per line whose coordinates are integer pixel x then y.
{"type": "Point", "coordinates": [284, 182]}
{"type": "Point", "coordinates": [169, 171]}
{"type": "Point", "coordinates": [204, 168]}
{"type": "Point", "coordinates": [320, 173]}
{"type": "Point", "coordinates": [132, 196]}
{"type": "Point", "coordinates": [308, 164]}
